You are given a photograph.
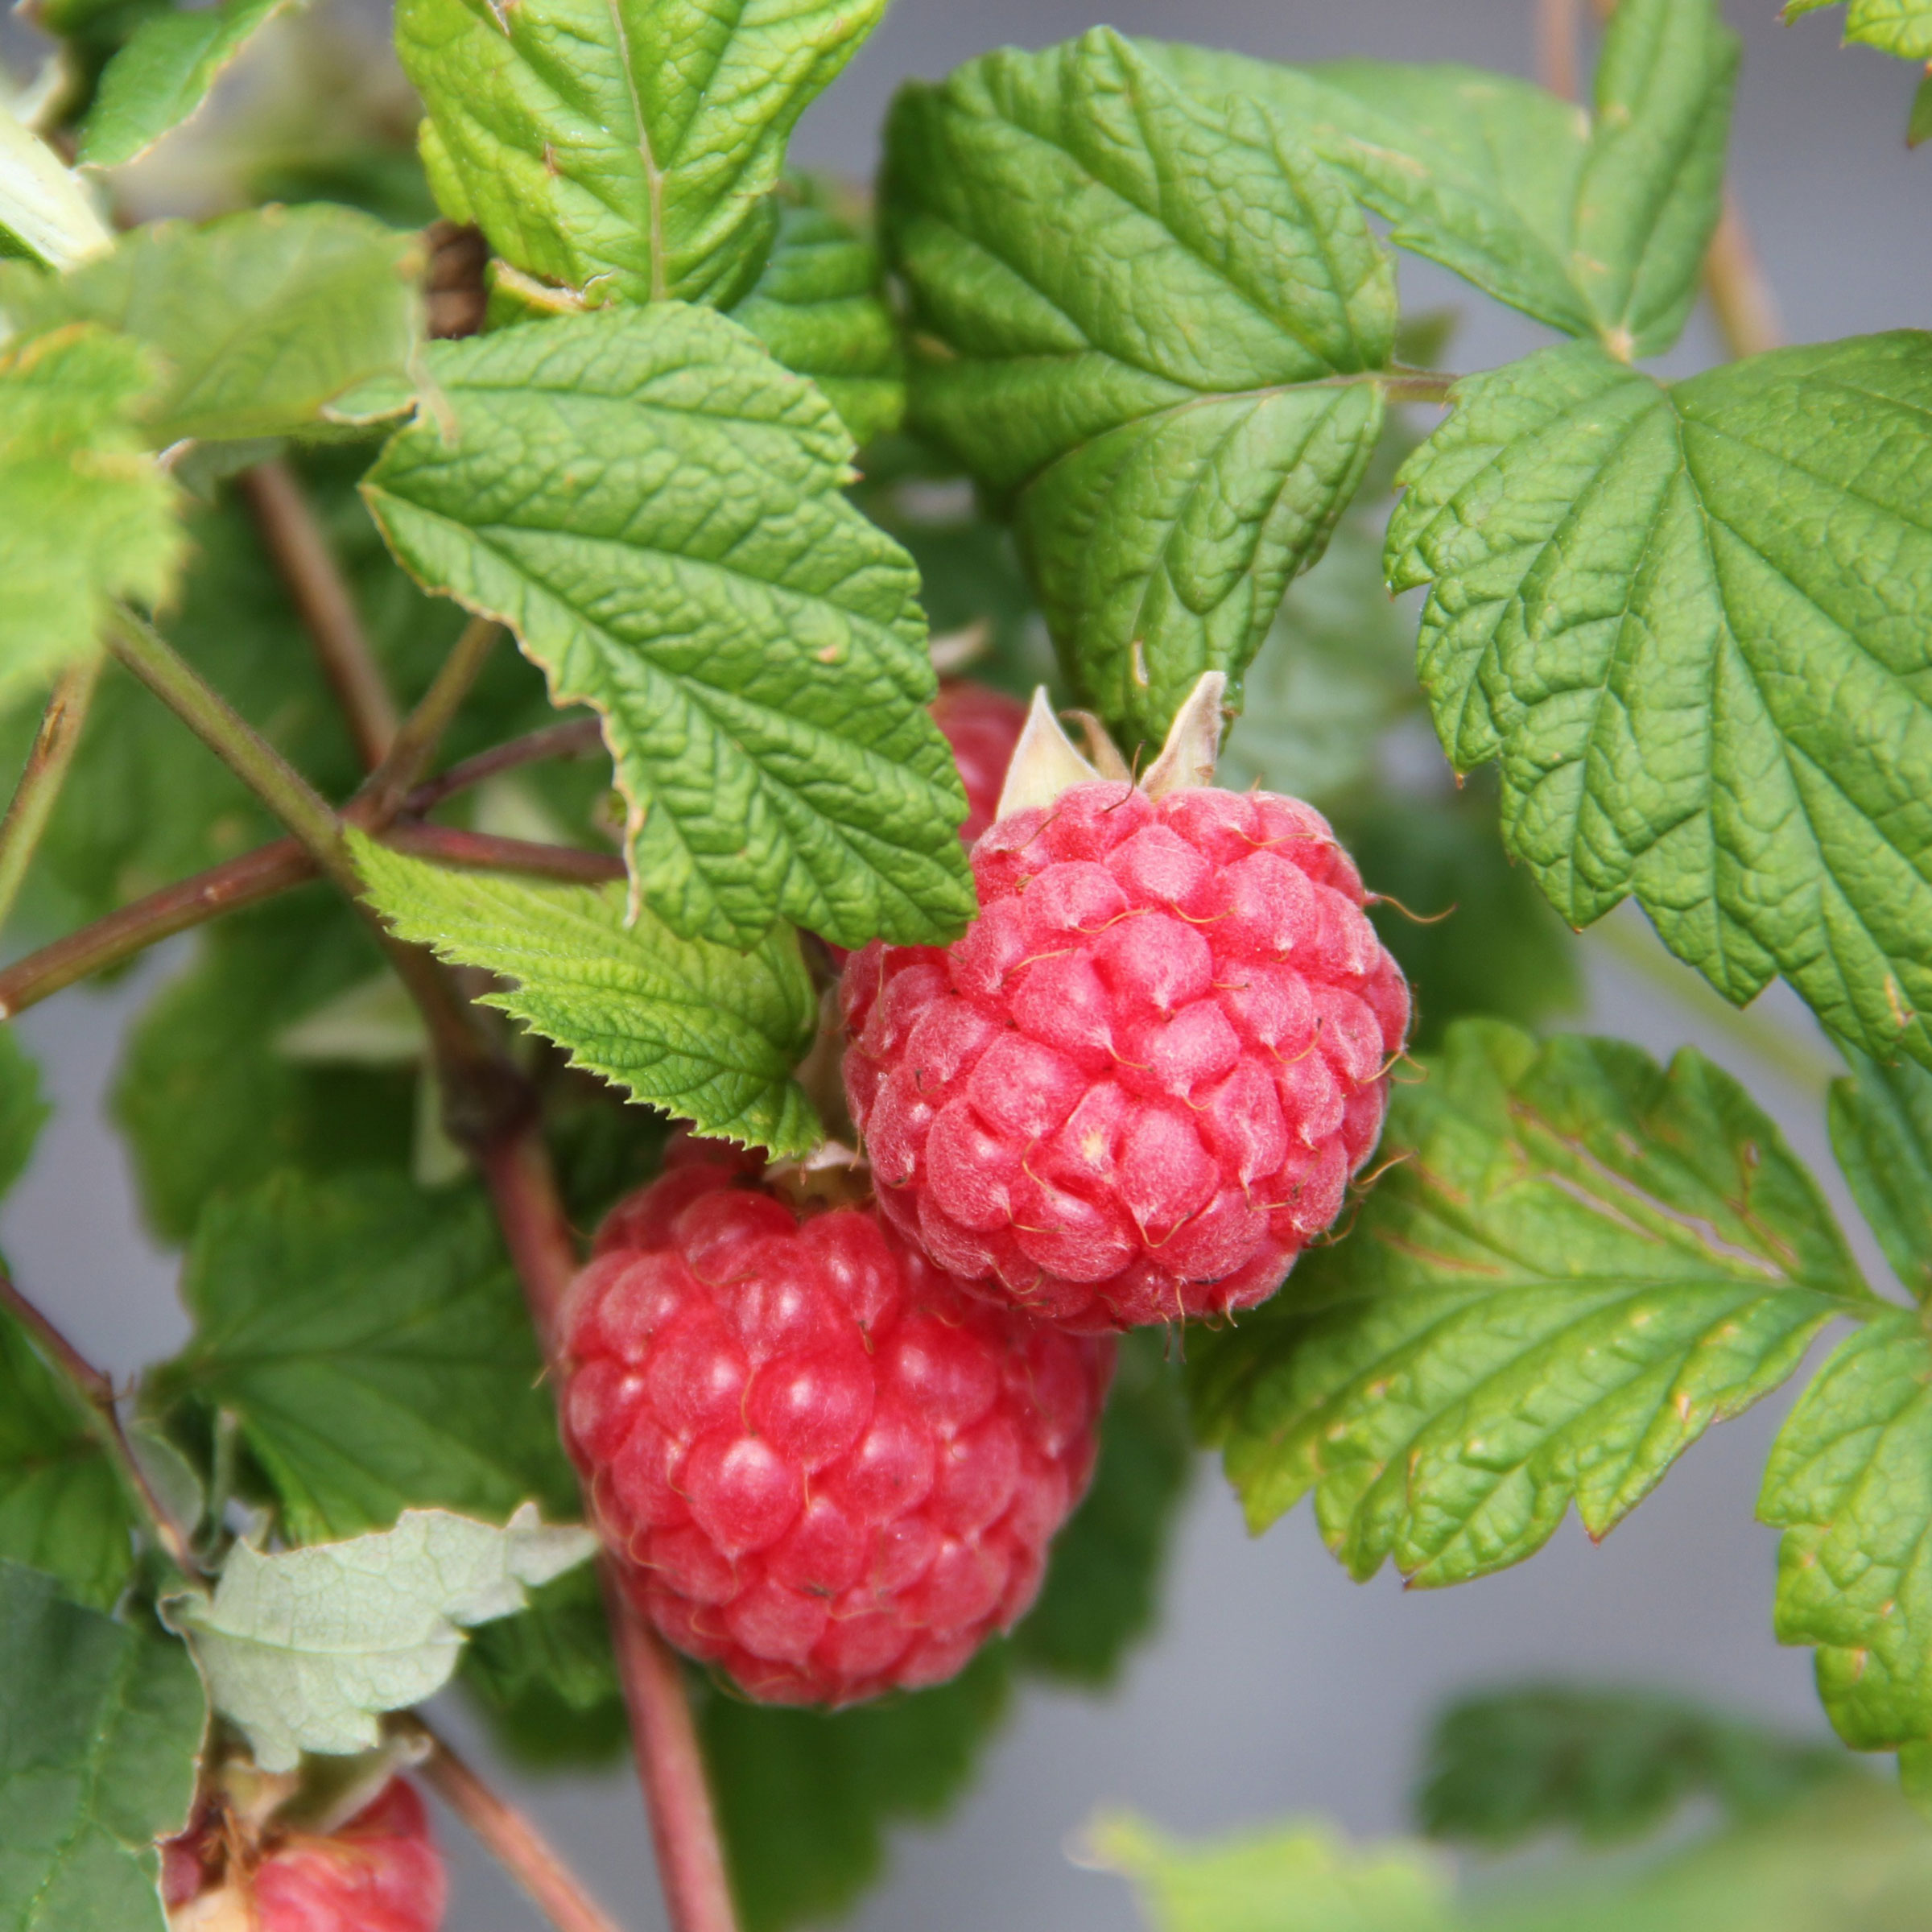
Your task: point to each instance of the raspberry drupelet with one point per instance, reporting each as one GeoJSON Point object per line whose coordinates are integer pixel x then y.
{"type": "Point", "coordinates": [379, 1872]}
{"type": "Point", "coordinates": [825, 1469]}
{"type": "Point", "coordinates": [1139, 1085]}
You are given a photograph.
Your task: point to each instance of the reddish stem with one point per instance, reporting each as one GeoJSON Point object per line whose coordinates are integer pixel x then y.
{"type": "Point", "coordinates": [509, 1837]}
{"type": "Point", "coordinates": [482, 852]}
{"type": "Point", "coordinates": [670, 1763]}
{"type": "Point", "coordinates": [300, 547]}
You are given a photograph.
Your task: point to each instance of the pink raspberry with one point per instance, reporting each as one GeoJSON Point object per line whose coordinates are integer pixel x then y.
{"type": "Point", "coordinates": [982, 726]}
{"type": "Point", "coordinates": [380, 1872]}
{"type": "Point", "coordinates": [1140, 1083]}
{"type": "Point", "coordinates": [827, 1470]}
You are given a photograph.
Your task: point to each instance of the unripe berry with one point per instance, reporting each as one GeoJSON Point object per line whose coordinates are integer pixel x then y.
{"type": "Point", "coordinates": [825, 1469]}
{"type": "Point", "coordinates": [379, 1872]}
{"type": "Point", "coordinates": [1139, 1085]}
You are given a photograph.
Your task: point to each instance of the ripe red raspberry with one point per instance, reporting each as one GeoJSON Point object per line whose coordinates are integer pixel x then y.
{"type": "Point", "coordinates": [1139, 1084]}
{"type": "Point", "coordinates": [829, 1471]}
{"type": "Point", "coordinates": [982, 726]}
{"type": "Point", "coordinates": [380, 1872]}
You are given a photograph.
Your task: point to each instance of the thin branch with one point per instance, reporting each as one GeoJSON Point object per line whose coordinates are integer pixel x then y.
{"type": "Point", "coordinates": [574, 738]}
{"type": "Point", "coordinates": [1557, 24]}
{"type": "Point", "coordinates": [508, 1836]}
{"type": "Point", "coordinates": [247, 880]}
{"type": "Point", "coordinates": [93, 1395]}
{"type": "Point", "coordinates": [482, 852]}
{"type": "Point", "coordinates": [670, 1763]}
{"type": "Point", "coordinates": [1739, 291]}
{"type": "Point", "coordinates": [415, 742]}
{"type": "Point", "coordinates": [237, 743]}
{"type": "Point", "coordinates": [464, 1059]}
{"type": "Point", "coordinates": [300, 548]}
{"type": "Point", "coordinates": [1417, 384]}
{"type": "Point", "coordinates": [54, 744]}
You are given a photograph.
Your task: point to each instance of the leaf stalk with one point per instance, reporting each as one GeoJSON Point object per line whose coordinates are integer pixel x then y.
{"type": "Point", "coordinates": [45, 771]}
{"type": "Point", "coordinates": [308, 566]}
{"type": "Point", "coordinates": [507, 1835]}
{"type": "Point", "coordinates": [93, 1394]}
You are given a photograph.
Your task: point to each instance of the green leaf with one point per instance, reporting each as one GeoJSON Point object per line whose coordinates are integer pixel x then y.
{"type": "Point", "coordinates": [260, 319]}
{"type": "Point", "coordinates": [85, 517]}
{"type": "Point", "coordinates": [45, 214]}
{"type": "Point", "coordinates": [1596, 224]}
{"type": "Point", "coordinates": [819, 306]}
{"type": "Point", "coordinates": [1918, 130]}
{"type": "Point", "coordinates": [1470, 931]}
{"type": "Point", "coordinates": [624, 150]}
{"type": "Point", "coordinates": [1155, 329]}
{"type": "Point", "coordinates": [1104, 1578]}
{"type": "Point", "coordinates": [803, 1796]}
{"type": "Point", "coordinates": [1881, 1132]}
{"type": "Point", "coordinates": [305, 1649]}
{"type": "Point", "coordinates": [1610, 1764]}
{"type": "Point", "coordinates": [705, 1033]}
{"type": "Point", "coordinates": [101, 1726]}
{"type": "Point", "coordinates": [1849, 1482]}
{"type": "Point", "coordinates": [164, 74]}
{"type": "Point", "coordinates": [1284, 1878]}
{"type": "Point", "coordinates": [370, 1342]}
{"type": "Point", "coordinates": [209, 1102]}
{"type": "Point", "coordinates": [1894, 26]}
{"type": "Point", "coordinates": [1658, 608]}
{"type": "Point", "coordinates": [61, 1509]}
{"type": "Point", "coordinates": [654, 506]}
{"type": "Point", "coordinates": [1578, 1263]}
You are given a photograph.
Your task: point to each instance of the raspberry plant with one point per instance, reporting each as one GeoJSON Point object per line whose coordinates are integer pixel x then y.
{"type": "Point", "coordinates": [492, 584]}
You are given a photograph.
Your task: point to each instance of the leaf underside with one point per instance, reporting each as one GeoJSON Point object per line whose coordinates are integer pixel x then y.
{"type": "Point", "coordinates": [260, 319]}
{"type": "Point", "coordinates": [1657, 607]}
{"type": "Point", "coordinates": [84, 516]}
{"type": "Point", "coordinates": [1577, 1263]}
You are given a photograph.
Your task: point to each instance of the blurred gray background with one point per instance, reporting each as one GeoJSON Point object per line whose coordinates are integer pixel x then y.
{"type": "Point", "coordinates": [1273, 1685]}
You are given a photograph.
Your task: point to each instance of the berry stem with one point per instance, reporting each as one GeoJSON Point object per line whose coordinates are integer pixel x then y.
{"type": "Point", "coordinates": [93, 1394]}
{"type": "Point", "coordinates": [35, 797]}
{"type": "Point", "coordinates": [508, 1836]}
{"type": "Point", "coordinates": [1557, 22]}
{"type": "Point", "coordinates": [261, 874]}
{"type": "Point", "coordinates": [300, 548]}
{"type": "Point", "coordinates": [670, 1763]}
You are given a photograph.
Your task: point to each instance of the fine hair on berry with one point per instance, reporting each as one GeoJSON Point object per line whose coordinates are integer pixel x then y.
{"type": "Point", "coordinates": [1140, 1083]}
{"type": "Point", "coordinates": [824, 1467]}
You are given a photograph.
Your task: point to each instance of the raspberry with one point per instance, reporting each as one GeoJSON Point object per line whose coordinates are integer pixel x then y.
{"type": "Point", "coordinates": [1140, 1083]}
{"type": "Point", "coordinates": [827, 1470]}
{"type": "Point", "coordinates": [379, 1872]}
{"type": "Point", "coordinates": [982, 726]}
